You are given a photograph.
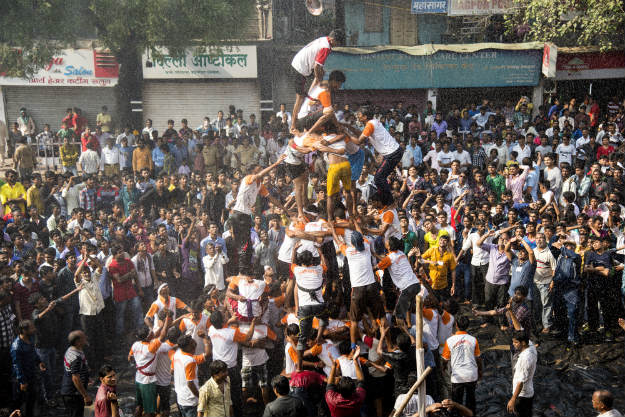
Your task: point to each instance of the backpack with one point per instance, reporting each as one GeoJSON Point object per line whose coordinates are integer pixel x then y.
{"type": "Point", "coordinates": [567, 273]}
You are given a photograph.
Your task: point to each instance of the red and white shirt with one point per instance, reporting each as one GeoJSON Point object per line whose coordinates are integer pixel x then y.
{"type": "Point", "coordinates": [315, 53]}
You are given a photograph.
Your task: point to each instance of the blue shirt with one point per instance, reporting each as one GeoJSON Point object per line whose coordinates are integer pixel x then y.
{"type": "Point", "coordinates": [521, 275]}
{"type": "Point", "coordinates": [417, 155]}
{"type": "Point", "coordinates": [532, 181]}
{"type": "Point", "coordinates": [158, 157]}
{"type": "Point", "coordinates": [25, 360]}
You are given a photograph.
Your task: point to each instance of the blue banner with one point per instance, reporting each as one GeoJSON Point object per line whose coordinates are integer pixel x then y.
{"type": "Point", "coordinates": [394, 69]}
{"type": "Point", "coordinates": [428, 6]}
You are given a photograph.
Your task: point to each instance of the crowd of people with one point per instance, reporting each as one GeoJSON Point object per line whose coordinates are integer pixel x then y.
{"type": "Point", "coordinates": [242, 266]}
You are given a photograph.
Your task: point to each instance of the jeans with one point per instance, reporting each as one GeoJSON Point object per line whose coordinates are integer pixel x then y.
{"type": "Point", "coordinates": [604, 291]}
{"type": "Point", "coordinates": [478, 274]}
{"type": "Point", "coordinates": [74, 405]}
{"type": "Point", "coordinates": [496, 297]}
{"type": "Point", "coordinates": [134, 304]}
{"type": "Point", "coordinates": [73, 170]}
{"type": "Point", "coordinates": [93, 326]}
{"type": "Point", "coordinates": [306, 314]}
{"type": "Point", "coordinates": [463, 276]}
{"type": "Point", "coordinates": [234, 374]}
{"type": "Point", "coordinates": [48, 357]}
{"type": "Point", "coordinates": [405, 300]}
{"type": "Point", "coordinates": [460, 390]}
{"type": "Point", "coordinates": [567, 303]}
{"type": "Point", "coordinates": [29, 401]}
{"type": "Point", "coordinates": [380, 180]}
{"type": "Point", "coordinates": [524, 406]}
{"type": "Point", "coordinates": [544, 304]}
{"type": "Point", "coordinates": [188, 411]}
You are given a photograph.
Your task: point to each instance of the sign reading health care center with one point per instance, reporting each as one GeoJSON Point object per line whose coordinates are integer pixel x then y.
{"type": "Point", "coordinates": [230, 62]}
{"type": "Point", "coordinates": [394, 69]}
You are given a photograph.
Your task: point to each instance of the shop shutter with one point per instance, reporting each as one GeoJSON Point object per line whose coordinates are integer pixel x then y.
{"type": "Point", "coordinates": [48, 104]}
{"type": "Point", "coordinates": [403, 24]}
{"type": "Point", "coordinates": [194, 100]}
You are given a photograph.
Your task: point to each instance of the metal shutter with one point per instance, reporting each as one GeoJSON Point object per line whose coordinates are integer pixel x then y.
{"type": "Point", "coordinates": [194, 100]}
{"type": "Point", "coordinates": [48, 104]}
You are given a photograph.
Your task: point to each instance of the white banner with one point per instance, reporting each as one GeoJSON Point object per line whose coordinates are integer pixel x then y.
{"type": "Point", "coordinates": [479, 7]}
{"type": "Point", "coordinates": [231, 62]}
{"type": "Point", "coordinates": [73, 68]}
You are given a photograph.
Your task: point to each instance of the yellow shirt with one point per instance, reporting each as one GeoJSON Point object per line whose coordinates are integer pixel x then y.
{"type": "Point", "coordinates": [105, 121]}
{"type": "Point", "coordinates": [33, 198]}
{"type": "Point", "coordinates": [213, 402]}
{"type": "Point", "coordinates": [11, 193]}
{"type": "Point", "coordinates": [438, 272]}
{"type": "Point", "coordinates": [432, 240]}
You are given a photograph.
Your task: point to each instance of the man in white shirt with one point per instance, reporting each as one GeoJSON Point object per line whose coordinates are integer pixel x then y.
{"type": "Point", "coordinates": [127, 134]}
{"type": "Point", "coordinates": [89, 160]}
{"type": "Point", "coordinates": [552, 174]}
{"type": "Point", "coordinates": [522, 149]}
{"type": "Point", "coordinates": [462, 353]}
{"type": "Point", "coordinates": [282, 112]}
{"type": "Point", "coordinates": [310, 61]}
{"type": "Point", "coordinates": [584, 139]}
{"type": "Point", "coordinates": [462, 156]}
{"type": "Point", "coordinates": [602, 402]}
{"type": "Point", "coordinates": [566, 150]}
{"type": "Point", "coordinates": [565, 118]}
{"type": "Point", "coordinates": [214, 262]}
{"type": "Point", "coordinates": [479, 262]}
{"type": "Point", "coordinates": [522, 398]}
{"type": "Point", "coordinates": [110, 159]}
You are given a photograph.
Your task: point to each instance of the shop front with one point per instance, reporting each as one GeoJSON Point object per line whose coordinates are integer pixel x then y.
{"type": "Point", "coordinates": [80, 78]}
{"type": "Point", "coordinates": [444, 74]}
{"type": "Point", "coordinates": [195, 86]}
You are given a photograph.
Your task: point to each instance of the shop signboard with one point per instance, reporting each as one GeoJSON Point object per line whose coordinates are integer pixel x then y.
{"type": "Point", "coordinates": [428, 6]}
{"type": "Point", "coordinates": [479, 7]}
{"type": "Point", "coordinates": [397, 70]}
{"type": "Point", "coordinates": [230, 62]}
{"type": "Point", "coordinates": [591, 65]}
{"type": "Point", "coordinates": [73, 68]}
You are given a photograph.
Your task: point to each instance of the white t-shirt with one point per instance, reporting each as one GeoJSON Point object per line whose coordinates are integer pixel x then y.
{"type": "Point", "coordinates": [445, 158]}
{"type": "Point", "coordinates": [309, 277]}
{"type": "Point", "coordinates": [461, 350]}
{"type": "Point", "coordinates": [400, 269]}
{"type": "Point", "coordinates": [389, 216]}
{"type": "Point", "coordinates": [315, 53]}
{"type": "Point", "coordinates": [185, 370]}
{"type": "Point", "coordinates": [432, 156]}
{"type": "Point", "coordinates": [255, 356]}
{"type": "Point", "coordinates": [463, 157]}
{"type": "Point", "coordinates": [524, 372]}
{"type": "Point", "coordinates": [360, 268]}
{"type": "Point", "coordinates": [285, 252]}
{"type": "Point", "coordinates": [313, 103]}
{"type": "Point", "coordinates": [565, 153]}
{"type": "Point", "coordinates": [144, 354]}
{"type": "Point", "coordinates": [225, 344]}
{"type": "Point", "coordinates": [251, 291]}
{"type": "Point", "coordinates": [480, 256]}
{"type": "Point", "coordinates": [163, 364]}
{"type": "Point", "coordinates": [248, 191]}
{"type": "Point", "coordinates": [382, 141]}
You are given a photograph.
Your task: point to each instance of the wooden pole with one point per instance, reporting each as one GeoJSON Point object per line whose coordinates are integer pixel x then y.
{"type": "Point", "coordinates": [421, 372]}
{"type": "Point", "coordinates": [414, 387]}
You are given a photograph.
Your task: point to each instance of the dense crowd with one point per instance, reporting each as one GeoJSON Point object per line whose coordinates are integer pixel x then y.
{"type": "Point", "coordinates": [237, 263]}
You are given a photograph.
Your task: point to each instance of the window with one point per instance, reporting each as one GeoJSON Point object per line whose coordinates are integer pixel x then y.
{"type": "Point", "coordinates": [373, 18]}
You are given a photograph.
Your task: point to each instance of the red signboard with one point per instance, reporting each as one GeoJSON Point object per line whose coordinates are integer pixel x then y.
{"type": "Point", "coordinates": [591, 60]}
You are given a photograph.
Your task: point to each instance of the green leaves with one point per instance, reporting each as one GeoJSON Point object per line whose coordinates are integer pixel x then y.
{"type": "Point", "coordinates": [32, 31]}
{"type": "Point", "coordinates": [570, 22]}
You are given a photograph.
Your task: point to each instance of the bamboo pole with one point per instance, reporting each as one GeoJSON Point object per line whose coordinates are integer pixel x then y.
{"type": "Point", "coordinates": [414, 387]}
{"type": "Point", "coordinates": [421, 372]}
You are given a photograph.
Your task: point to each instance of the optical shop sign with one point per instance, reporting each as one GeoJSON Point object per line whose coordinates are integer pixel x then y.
{"type": "Point", "coordinates": [394, 69]}
{"type": "Point", "coordinates": [73, 68]}
{"type": "Point", "coordinates": [234, 62]}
